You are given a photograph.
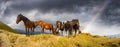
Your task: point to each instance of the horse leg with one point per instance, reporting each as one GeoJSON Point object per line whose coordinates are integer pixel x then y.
{"type": "Point", "coordinates": [42, 30]}
{"type": "Point", "coordinates": [65, 31]}
{"type": "Point", "coordinates": [54, 31]}
{"type": "Point", "coordinates": [51, 32]}
{"type": "Point", "coordinates": [75, 32]}
{"type": "Point", "coordinates": [26, 31]}
{"type": "Point", "coordinates": [70, 31]}
{"type": "Point", "coordinates": [31, 31]}
{"type": "Point", "coordinates": [79, 31]}
{"type": "Point", "coordinates": [62, 33]}
{"type": "Point", "coordinates": [58, 31]}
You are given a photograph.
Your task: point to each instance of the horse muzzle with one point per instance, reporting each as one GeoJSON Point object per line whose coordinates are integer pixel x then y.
{"type": "Point", "coordinates": [17, 22]}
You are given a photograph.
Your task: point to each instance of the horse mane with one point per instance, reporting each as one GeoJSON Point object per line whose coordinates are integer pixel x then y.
{"type": "Point", "coordinates": [24, 18]}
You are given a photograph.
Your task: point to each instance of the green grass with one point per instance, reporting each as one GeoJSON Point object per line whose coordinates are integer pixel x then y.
{"type": "Point", "coordinates": [6, 27]}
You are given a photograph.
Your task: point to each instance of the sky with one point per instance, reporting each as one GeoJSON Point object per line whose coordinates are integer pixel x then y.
{"type": "Point", "coordinates": [98, 17]}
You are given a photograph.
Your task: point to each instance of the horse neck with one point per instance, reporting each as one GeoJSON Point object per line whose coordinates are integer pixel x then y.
{"type": "Point", "coordinates": [25, 20]}
{"type": "Point", "coordinates": [40, 23]}
{"type": "Point", "coordinates": [37, 23]}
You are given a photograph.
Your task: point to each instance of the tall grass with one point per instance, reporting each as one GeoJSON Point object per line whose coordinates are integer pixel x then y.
{"type": "Point", "coordinates": [49, 40]}
{"type": "Point", "coordinates": [10, 39]}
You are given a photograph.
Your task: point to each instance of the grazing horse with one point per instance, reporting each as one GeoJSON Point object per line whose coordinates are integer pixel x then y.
{"type": "Point", "coordinates": [72, 26]}
{"type": "Point", "coordinates": [45, 25]}
{"type": "Point", "coordinates": [59, 26]}
{"type": "Point", "coordinates": [27, 23]}
{"type": "Point", "coordinates": [76, 25]}
{"type": "Point", "coordinates": [67, 27]}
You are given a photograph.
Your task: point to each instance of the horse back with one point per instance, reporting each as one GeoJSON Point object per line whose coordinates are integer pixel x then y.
{"type": "Point", "coordinates": [45, 24]}
{"type": "Point", "coordinates": [29, 24]}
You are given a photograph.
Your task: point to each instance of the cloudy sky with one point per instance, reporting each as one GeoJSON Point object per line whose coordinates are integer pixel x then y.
{"type": "Point", "coordinates": [98, 17]}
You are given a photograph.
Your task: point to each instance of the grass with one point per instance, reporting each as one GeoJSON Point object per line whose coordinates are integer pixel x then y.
{"type": "Point", "coordinates": [49, 40]}
{"type": "Point", "coordinates": [10, 39]}
{"type": "Point", "coordinates": [6, 27]}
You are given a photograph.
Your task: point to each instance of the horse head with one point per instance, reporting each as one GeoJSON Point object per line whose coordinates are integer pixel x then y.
{"type": "Point", "coordinates": [19, 18]}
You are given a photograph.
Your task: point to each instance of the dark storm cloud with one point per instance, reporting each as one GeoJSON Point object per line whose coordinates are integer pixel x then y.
{"type": "Point", "coordinates": [57, 5]}
{"type": "Point", "coordinates": [111, 14]}
{"type": "Point", "coordinates": [46, 5]}
{"type": "Point", "coordinates": [3, 1]}
{"type": "Point", "coordinates": [46, 10]}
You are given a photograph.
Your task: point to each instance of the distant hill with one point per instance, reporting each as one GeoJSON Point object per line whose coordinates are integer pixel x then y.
{"type": "Point", "coordinates": [24, 32]}
{"type": "Point", "coordinates": [114, 36]}
{"type": "Point", "coordinates": [6, 27]}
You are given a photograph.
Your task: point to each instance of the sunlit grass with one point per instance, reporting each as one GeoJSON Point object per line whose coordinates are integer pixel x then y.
{"type": "Point", "coordinates": [10, 39]}
{"type": "Point", "coordinates": [49, 40]}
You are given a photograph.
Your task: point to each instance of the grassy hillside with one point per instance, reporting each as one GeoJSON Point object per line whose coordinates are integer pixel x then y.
{"type": "Point", "coordinates": [9, 39]}
{"type": "Point", "coordinates": [6, 27]}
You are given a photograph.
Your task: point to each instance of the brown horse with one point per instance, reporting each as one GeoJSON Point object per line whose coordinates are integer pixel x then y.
{"type": "Point", "coordinates": [27, 23]}
{"type": "Point", "coordinates": [45, 25]}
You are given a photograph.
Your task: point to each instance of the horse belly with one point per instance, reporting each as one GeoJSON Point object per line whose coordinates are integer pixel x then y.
{"type": "Point", "coordinates": [47, 27]}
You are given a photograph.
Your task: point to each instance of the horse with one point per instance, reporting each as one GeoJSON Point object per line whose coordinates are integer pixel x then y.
{"type": "Point", "coordinates": [59, 26]}
{"type": "Point", "coordinates": [72, 26]}
{"type": "Point", "coordinates": [29, 25]}
{"type": "Point", "coordinates": [76, 25]}
{"type": "Point", "coordinates": [45, 25]}
{"type": "Point", "coordinates": [68, 27]}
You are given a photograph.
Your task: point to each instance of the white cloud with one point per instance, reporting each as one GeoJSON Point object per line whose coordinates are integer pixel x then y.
{"type": "Point", "coordinates": [3, 7]}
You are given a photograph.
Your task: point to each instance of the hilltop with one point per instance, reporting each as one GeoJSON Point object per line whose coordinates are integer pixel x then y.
{"type": "Point", "coordinates": [6, 27]}
{"type": "Point", "coordinates": [10, 39]}
{"type": "Point", "coordinates": [47, 40]}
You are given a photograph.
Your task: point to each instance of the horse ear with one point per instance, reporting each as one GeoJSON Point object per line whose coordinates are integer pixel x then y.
{"type": "Point", "coordinates": [20, 14]}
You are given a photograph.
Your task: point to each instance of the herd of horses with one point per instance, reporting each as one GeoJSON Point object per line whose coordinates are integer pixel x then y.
{"type": "Point", "coordinates": [70, 26]}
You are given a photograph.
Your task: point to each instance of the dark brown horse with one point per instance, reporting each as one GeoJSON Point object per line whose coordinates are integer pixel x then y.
{"type": "Point", "coordinates": [76, 25]}
{"type": "Point", "coordinates": [72, 26]}
{"type": "Point", "coordinates": [45, 25]}
{"type": "Point", "coordinates": [29, 25]}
